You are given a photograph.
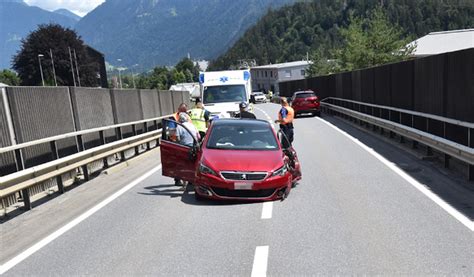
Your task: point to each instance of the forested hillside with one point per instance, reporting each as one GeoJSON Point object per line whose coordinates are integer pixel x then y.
{"type": "Point", "coordinates": [291, 32]}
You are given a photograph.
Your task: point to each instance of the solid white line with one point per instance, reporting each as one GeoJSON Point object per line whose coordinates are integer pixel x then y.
{"type": "Point", "coordinates": [260, 260]}
{"type": "Point", "coordinates": [267, 210]}
{"type": "Point", "coordinates": [42, 243]}
{"type": "Point", "coordinates": [435, 198]}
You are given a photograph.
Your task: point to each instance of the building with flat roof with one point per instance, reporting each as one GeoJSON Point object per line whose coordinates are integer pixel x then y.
{"type": "Point", "coordinates": [268, 77]}
{"type": "Point", "coordinates": [443, 42]}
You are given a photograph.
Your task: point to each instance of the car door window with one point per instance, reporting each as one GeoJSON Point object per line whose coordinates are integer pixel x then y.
{"type": "Point", "coordinates": [177, 133]}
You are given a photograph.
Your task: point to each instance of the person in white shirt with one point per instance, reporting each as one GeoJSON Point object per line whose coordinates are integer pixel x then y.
{"type": "Point", "coordinates": [184, 137]}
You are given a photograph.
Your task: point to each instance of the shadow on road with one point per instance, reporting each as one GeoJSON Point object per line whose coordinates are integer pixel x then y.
{"type": "Point", "coordinates": [449, 185]}
{"type": "Point", "coordinates": [187, 195]}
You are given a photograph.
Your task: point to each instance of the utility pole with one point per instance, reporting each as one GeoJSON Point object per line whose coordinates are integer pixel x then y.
{"type": "Point", "coordinates": [77, 69]}
{"type": "Point", "coordinates": [41, 68]}
{"type": "Point", "coordinates": [72, 66]}
{"type": "Point", "coordinates": [52, 64]}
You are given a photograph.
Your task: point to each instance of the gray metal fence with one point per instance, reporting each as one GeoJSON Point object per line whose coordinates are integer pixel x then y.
{"type": "Point", "coordinates": [441, 85]}
{"type": "Point", "coordinates": [31, 113]}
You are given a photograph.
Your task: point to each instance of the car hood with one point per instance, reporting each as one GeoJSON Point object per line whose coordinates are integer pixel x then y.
{"type": "Point", "coordinates": [242, 160]}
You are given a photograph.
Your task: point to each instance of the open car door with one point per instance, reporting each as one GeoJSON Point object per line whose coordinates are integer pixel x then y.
{"type": "Point", "coordinates": [177, 160]}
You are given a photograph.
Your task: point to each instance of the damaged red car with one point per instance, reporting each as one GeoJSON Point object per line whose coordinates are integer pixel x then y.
{"type": "Point", "coordinates": [239, 159]}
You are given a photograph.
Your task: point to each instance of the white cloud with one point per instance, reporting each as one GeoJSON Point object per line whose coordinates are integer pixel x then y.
{"type": "Point", "coordinates": [80, 7]}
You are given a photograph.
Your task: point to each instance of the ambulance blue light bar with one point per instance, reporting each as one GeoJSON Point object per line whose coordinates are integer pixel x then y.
{"type": "Point", "coordinates": [246, 75]}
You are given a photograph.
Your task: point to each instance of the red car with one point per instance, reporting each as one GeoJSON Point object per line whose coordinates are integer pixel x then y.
{"type": "Point", "coordinates": [305, 102]}
{"type": "Point", "coordinates": [238, 159]}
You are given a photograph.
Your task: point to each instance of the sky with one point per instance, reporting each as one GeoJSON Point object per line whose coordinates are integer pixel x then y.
{"type": "Point", "coordinates": [79, 7]}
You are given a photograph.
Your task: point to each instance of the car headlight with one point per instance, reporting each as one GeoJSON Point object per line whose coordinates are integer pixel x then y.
{"type": "Point", "coordinates": [206, 170]}
{"type": "Point", "coordinates": [281, 171]}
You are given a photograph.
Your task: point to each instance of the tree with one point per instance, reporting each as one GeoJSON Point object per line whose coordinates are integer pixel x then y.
{"type": "Point", "coordinates": [367, 42]}
{"type": "Point", "coordinates": [9, 77]}
{"type": "Point", "coordinates": [58, 40]}
{"type": "Point", "coordinates": [188, 67]}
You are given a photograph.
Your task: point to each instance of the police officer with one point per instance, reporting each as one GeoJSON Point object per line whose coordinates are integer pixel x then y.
{"type": "Point", "coordinates": [244, 113]}
{"type": "Point", "coordinates": [285, 118]}
{"type": "Point", "coordinates": [200, 118]}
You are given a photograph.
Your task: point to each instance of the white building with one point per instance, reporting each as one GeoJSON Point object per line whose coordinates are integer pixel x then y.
{"type": "Point", "coordinates": [268, 77]}
{"type": "Point", "coordinates": [443, 42]}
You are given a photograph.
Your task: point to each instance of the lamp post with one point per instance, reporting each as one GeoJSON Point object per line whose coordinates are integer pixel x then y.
{"type": "Point", "coordinates": [52, 64]}
{"type": "Point", "coordinates": [120, 76]}
{"type": "Point", "coordinates": [133, 75]}
{"type": "Point", "coordinates": [41, 68]}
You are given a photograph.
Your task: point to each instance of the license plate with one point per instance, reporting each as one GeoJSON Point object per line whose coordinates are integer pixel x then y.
{"type": "Point", "coordinates": [242, 186]}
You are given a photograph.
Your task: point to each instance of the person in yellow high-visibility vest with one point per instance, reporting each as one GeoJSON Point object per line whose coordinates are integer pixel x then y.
{"type": "Point", "coordinates": [200, 118]}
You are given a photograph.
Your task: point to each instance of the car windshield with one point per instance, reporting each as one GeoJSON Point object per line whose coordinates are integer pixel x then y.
{"type": "Point", "coordinates": [305, 95]}
{"type": "Point", "coordinates": [242, 136]}
{"type": "Point", "coordinates": [221, 94]}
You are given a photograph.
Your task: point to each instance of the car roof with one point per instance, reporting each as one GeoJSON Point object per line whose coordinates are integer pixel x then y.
{"type": "Point", "coordinates": [304, 91]}
{"type": "Point", "coordinates": [240, 121]}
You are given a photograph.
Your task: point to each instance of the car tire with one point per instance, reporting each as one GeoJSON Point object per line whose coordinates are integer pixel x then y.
{"type": "Point", "coordinates": [318, 113]}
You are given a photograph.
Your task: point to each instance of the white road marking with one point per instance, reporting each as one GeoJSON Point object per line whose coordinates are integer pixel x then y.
{"type": "Point", "coordinates": [267, 210]}
{"type": "Point", "coordinates": [260, 261]}
{"type": "Point", "coordinates": [42, 243]}
{"type": "Point", "coordinates": [269, 119]}
{"type": "Point", "coordinates": [435, 198]}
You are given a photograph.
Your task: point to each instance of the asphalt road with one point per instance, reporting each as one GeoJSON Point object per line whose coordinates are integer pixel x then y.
{"type": "Point", "coordinates": [350, 214]}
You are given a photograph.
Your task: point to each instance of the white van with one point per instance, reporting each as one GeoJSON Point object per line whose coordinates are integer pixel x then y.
{"type": "Point", "coordinates": [222, 91]}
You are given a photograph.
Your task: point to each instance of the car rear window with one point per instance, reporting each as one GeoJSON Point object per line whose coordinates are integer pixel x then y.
{"type": "Point", "coordinates": [305, 95]}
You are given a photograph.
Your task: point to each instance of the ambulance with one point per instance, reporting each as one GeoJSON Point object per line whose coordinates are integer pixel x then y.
{"type": "Point", "coordinates": [222, 91]}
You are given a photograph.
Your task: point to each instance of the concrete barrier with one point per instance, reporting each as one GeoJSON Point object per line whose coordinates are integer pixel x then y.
{"type": "Point", "coordinates": [150, 103]}
{"type": "Point", "coordinates": [166, 102]}
{"type": "Point", "coordinates": [127, 107]}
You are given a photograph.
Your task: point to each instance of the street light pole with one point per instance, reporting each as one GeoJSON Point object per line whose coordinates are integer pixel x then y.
{"type": "Point", "coordinates": [72, 66]}
{"type": "Point", "coordinates": [120, 76]}
{"type": "Point", "coordinates": [52, 64]}
{"type": "Point", "coordinates": [133, 75]}
{"type": "Point", "coordinates": [41, 68]}
{"type": "Point", "coordinates": [77, 69]}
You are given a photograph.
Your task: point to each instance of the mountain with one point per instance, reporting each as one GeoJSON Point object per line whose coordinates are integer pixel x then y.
{"type": "Point", "coordinates": [17, 20]}
{"type": "Point", "coordinates": [68, 13]}
{"type": "Point", "coordinates": [289, 33]}
{"type": "Point", "coordinates": [161, 32]}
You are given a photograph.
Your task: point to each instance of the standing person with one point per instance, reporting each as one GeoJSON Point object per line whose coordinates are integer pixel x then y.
{"type": "Point", "coordinates": [200, 118]}
{"type": "Point", "coordinates": [186, 137]}
{"type": "Point", "coordinates": [285, 118]}
{"type": "Point", "coordinates": [182, 108]}
{"type": "Point", "coordinates": [172, 131]}
{"type": "Point", "coordinates": [244, 113]}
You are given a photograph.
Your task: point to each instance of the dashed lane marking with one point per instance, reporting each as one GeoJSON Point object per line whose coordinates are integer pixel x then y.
{"type": "Point", "coordinates": [260, 261]}
{"type": "Point", "coordinates": [267, 210]}
{"type": "Point", "coordinates": [42, 243]}
{"type": "Point", "coordinates": [435, 198]}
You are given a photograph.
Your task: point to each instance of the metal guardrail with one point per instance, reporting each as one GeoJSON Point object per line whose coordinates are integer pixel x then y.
{"type": "Point", "coordinates": [448, 148]}
{"type": "Point", "coordinates": [24, 179]}
{"type": "Point", "coordinates": [414, 113]}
